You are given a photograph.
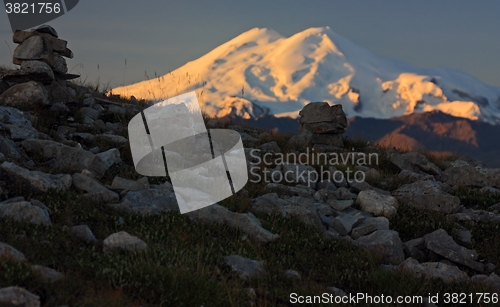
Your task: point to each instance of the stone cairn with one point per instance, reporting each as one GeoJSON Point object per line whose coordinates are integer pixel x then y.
{"type": "Point", "coordinates": [42, 76]}
{"type": "Point", "coordinates": [321, 126]}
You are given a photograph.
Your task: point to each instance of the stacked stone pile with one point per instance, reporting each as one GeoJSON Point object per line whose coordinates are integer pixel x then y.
{"type": "Point", "coordinates": [321, 126]}
{"type": "Point", "coordinates": [43, 69]}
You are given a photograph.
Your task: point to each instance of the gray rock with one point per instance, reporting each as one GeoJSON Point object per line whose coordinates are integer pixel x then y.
{"type": "Point", "coordinates": [299, 173]}
{"type": "Point", "coordinates": [117, 110]}
{"type": "Point", "coordinates": [336, 291]}
{"type": "Point", "coordinates": [47, 29]}
{"type": "Point", "coordinates": [442, 244]}
{"type": "Point", "coordinates": [35, 181]}
{"type": "Point", "coordinates": [343, 224]}
{"type": "Point", "coordinates": [372, 174]}
{"type": "Point", "coordinates": [94, 189]}
{"type": "Point", "coordinates": [130, 185]}
{"type": "Point", "coordinates": [270, 147]}
{"type": "Point", "coordinates": [84, 233]}
{"type": "Point", "coordinates": [66, 158]}
{"type": "Point", "coordinates": [60, 92]}
{"type": "Point", "coordinates": [459, 174]}
{"type": "Point", "coordinates": [246, 222]}
{"type": "Point", "coordinates": [412, 176]}
{"type": "Point", "coordinates": [151, 201]}
{"type": "Point", "coordinates": [25, 211]}
{"type": "Point", "coordinates": [414, 248]}
{"type": "Point", "coordinates": [287, 190]}
{"type": "Point", "coordinates": [384, 242]}
{"type": "Point", "coordinates": [114, 127]}
{"type": "Point", "coordinates": [320, 117]}
{"type": "Point", "coordinates": [59, 107]}
{"type": "Point", "coordinates": [377, 204]}
{"type": "Point", "coordinates": [301, 140]}
{"type": "Point", "coordinates": [90, 113]}
{"type": "Point", "coordinates": [60, 66]}
{"type": "Point", "coordinates": [414, 162]}
{"type": "Point", "coordinates": [8, 252]}
{"type": "Point", "coordinates": [30, 71]}
{"type": "Point", "coordinates": [47, 274]}
{"type": "Point", "coordinates": [18, 297]}
{"type": "Point", "coordinates": [11, 151]}
{"type": "Point", "coordinates": [477, 216]}
{"type": "Point", "coordinates": [18, 123]}
{"type": "Point", "coordinates": [292, 274]}
{"type": "Point", "coordinates": [124, 241]}
{"type": "Point", "coordinates": [25, 94]}
{"type": "Point", "coordinates": [340, 205]}
{"type": "Point", "coordinates": [111, 138]}
{"type": "Point", "coordinates": [447, 273]}
{"type": "Point", "coordinates": [33, 48]}
{"type": "Point", "coordinates": [110, 157]}
{"type": "Point", "coordinates": [246, 268]}
{"type": "Point", "coordinates": [427, 195]}
{"type": "Point", "coordinates": [357, 187]}
{"type": "Point", "coordinates": [490, 190]}
{"type": "Point", "coordinates": [364, 228]}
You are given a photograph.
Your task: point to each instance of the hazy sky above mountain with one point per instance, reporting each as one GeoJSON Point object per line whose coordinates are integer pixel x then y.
{"type": "Point", "coordinates": [124, 41]}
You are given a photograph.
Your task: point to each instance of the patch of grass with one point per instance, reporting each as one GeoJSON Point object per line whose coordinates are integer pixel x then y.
{"type": "Point", "coordinates": [412, 223]}
{"type": "Point", "coordinates": [472, 198]}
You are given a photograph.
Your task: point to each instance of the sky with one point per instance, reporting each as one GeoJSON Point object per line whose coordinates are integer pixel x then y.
{"type": "Point", "coordinates": [120, 42]}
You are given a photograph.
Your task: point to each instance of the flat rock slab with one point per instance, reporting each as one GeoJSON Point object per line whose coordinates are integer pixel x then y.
{"type": "Point", "coordinates": [246, 222]}
{"type": "Point", "coordinates": [18, 297]}
{"type": "Point", "coordinates": [124, 241]}
{"type": "Point", "coordinates": [150, 201]}
{"type": "Point", "coordinates": [385, 242]}
{"type": "Point", "coordinates": [442, 244]}
{"type": "Point", "coordinates": [447, 273]}
{"type": "Point", "coordinates": [94, 189]}
{"type": "Point", "coordinates": [36, 181]}
{"type": "Point", "coordinates": [462, 174]}
{"type": "Point", "coordinates": [427, 195]}
{"type": "Point", "coordinates": [37, 71]}
{"type": "Point", "coordinates": [246, 268]}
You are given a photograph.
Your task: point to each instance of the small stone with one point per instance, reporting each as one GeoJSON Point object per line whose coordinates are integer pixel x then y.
{"type": "Point", "coordinates": [123, 240]}
{"type": "Point", "coordinates": [246, 268]}
{"type": "Point", "coordinates": [84, 233]}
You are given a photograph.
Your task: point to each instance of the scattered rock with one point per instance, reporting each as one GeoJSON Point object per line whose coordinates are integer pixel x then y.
{"type": "Point", "coordinates": [124, 241]}
{"type": "Point", "coordinates": [47, 274]}
{"type": "Point", "coordinates": [270, 147]}
{"type": "Point", "coordinates": [8, 252]}
{"type": "Point", "coordinates": [25, 211]}
{"type": "Point", "coordinates": [246, 268]}
{"type": "Point", "coordinates": [427, 195]}
{"type": "Point", "coordinates": [94, 189]}
{"type": "Point", "coordinates": [442, 244]}
{"type": "Point", "coordinates": [292, 274]}
{"type": "Point", "coordinates": [15, 296]}
{"type": "Point", "coordinates": [246, 222]}
{"type": "Point", "coordinates": [110, 157]}
{"type": "Point", "coordinates": [151, 201]}
{"type": "Point", "coordinates": [459, 174]}
{"type": "Point", "coordinates": [320, 117]}
{"type": "Point", "coordinates": [130, 185]}
{"type": "Point", "coordinates": [377, 204]}
{"type": "Point", "coordinates": [84, 233]}
{"type": "Point", "coordinates": [25, 94]}
{"type": "Point", "coordinates": [447, 273]}
{"type": "Point", "coordinates": [35, 181]}
{"type": "Point", "coordinates": [385, 242]}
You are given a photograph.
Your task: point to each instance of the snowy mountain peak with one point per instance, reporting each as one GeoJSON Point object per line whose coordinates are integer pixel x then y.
{"type": "Point", "coordinates": [261, 71]}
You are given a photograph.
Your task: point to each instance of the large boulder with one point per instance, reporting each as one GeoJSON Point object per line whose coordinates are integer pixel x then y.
{"type": "Point", "coordinates": [123, 241]}
{"type": "Point", "coordinates": [66, 158]}
{"type": "Point", "coordinates": [443, 244]}
{"type": "Point", "coordinates": [94, 189]}
{"type": "Point", "coordinates": [320, 117]}
{"type": "Point", "coordinates": [427, 195]}
{"type": "Point", "coordinates": [414, 162]}
{"type": "Point", "coordinates": [460, 173]}
{"type": "Point", "coordinates": [18, 123]}
{"type": "Point", "coordinates": [25, 211]}
{"type": "Point", "coordinates": [385, 243]}
{"type": "Point", "coordinates": [35, 181]}
{"type": "Point", "coordinates": [447, 273]}
{"type": "Point", "coordinates": [377, 204]}
{"type": "Point", "coordinates": [25, 94]}
{"type": "Point", "coordinates": [18, 297]}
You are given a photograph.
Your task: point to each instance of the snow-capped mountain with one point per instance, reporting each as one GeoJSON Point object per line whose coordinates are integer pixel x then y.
{"type": "Point", "coordinates": [261, 72]}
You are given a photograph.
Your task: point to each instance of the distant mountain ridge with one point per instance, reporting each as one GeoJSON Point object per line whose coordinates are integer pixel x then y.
{"type": "Point", "coordinates": [261, 73]}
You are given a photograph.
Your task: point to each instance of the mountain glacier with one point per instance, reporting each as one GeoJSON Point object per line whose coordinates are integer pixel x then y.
{"type": "Point", "coordinates": [261, 72]}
